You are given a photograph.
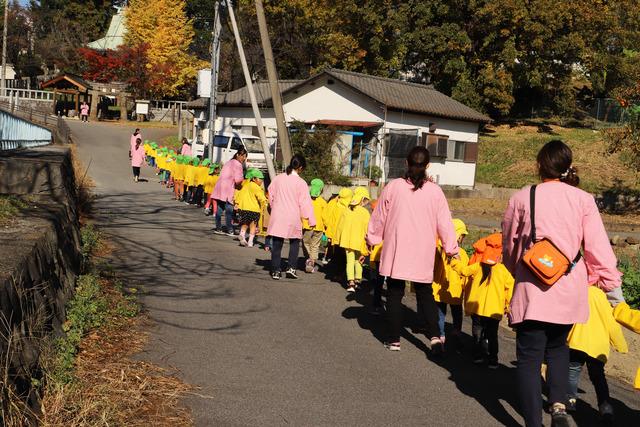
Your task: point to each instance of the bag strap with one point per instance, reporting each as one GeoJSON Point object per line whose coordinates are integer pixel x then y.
{"type": "Point", "coordinates": [532, 209]}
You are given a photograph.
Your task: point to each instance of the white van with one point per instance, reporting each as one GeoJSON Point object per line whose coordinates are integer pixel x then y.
{"type": "Point", "coordinates": [225, 145]}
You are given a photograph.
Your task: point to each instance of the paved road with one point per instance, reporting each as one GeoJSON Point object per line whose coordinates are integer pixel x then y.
{"type": "Point", "coordinates": [288, 352]}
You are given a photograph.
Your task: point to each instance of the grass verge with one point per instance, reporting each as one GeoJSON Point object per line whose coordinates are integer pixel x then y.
{"type": "Point", "coordinates": [90, 375]}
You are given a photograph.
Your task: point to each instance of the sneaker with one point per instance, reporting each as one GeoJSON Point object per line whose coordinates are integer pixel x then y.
{"type": "Point", "coordinates": [218, 231]}
{"type": "Point", "coordinates": [478, 360]}
{"type": "Point", "coordinates": [393, 346]}
{"type": "Point", "coordinates": [291, 273]}
{"type": "Point", "coordinates": [249, 245]}
{"type": "Point", "coordinates": [559, 416]}
{"type": "Point", "coordinates": [606, 412]}
{"type": "Point", "coordinates": [243, 241]}
{"type": "Point", "coordinates": [436, 346]}
{"type": "Point", "coordinates": [276, 275]}
{"type": "Point", "coordinates": [493, 364]}
{"type": "Point", "coordinates": [229, 233]}
{"type": "Point", "coordinates": [325, 261]}
{"type": "Point", "coordinates": [207, 212]}
{"type": "Point", "coordinates": [571, 405]}
{"type": "Point", "coordinates": [351, 289]}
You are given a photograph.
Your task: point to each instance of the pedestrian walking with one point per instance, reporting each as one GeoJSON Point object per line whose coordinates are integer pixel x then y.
{"type": "Point", "coordinates": [231, 177]}
{"type": "Point", "coordinates": [290, 202]}
{"type": "Point", "coordinates": [84, 111]}
{"type": "Point", "coordinates": [250, 201]}
{"type": "Point", "coordinates": [185, 150]}
{"type": "Point", "coordinates": [136, 155]}
{"type": "Point", "coordinates": [411, 214]}
{"type": "Point", "coordinates": [312, 236]}
{"type": "Point", "coordinates": [561, 219]}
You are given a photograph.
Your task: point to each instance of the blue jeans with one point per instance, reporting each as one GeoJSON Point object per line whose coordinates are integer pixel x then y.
{"type": "Point", "coordinates": [456, 315]}
{"type": "Point", "coordinates": [227, 207]}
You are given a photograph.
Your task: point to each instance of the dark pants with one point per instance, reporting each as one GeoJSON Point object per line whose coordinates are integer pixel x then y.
{"type": "Point", "coordinates": [485, 328]}
{"type": "Point", "coordinates": [427, 307]}
{"type": "Point", "coordinates": [378, 282]}
{"type": "Point", "coordinates": [198, 194]}
{"type": "Point", "coordinates": [456, 316]}
{"type": "Point", "coordinates": [84, 117]}
{"type": "Point", "coordinates": [136, 171]}
{"type": "Point", "coordinates": [227, 208]}
{"type": "Point", "coordinates": [595, 368]}
{"type": "Point", "coordinates": [535, 343]}
{"type": "Point", "coordinates": [276, 253]}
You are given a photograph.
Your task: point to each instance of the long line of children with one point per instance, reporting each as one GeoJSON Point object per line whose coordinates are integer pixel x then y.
{"type": "Point", "coordinates": [479, 285]}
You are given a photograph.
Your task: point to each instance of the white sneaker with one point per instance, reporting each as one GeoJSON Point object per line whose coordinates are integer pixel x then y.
{"type": "Point", "coordinates": [243, 241]}
{"type": "Point", "coordinates": [393, 346]}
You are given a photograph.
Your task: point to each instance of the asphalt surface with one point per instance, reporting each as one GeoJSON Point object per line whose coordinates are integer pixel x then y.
{"type": "Point", "coordinates": [292, 352]}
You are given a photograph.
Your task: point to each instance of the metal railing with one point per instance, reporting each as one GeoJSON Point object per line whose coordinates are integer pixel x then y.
{"type": "Point", "coordinates": [167, 105]}
{"type": "Point", "coordinates": [58, 127]}
{"type": "Point", "coordinates": [38, 95]}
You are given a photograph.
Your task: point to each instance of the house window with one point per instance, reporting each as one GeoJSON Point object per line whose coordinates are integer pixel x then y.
{"type": "Point", "coordinates": [436, 144]}
{"type": "Point", "coordinates": [456, 151]}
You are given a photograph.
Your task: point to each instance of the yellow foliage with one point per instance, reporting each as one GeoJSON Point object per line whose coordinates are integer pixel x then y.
{"type": "Point", "coordinates": [162, 26]}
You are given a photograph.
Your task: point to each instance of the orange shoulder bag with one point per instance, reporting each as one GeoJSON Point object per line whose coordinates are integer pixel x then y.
{"type": "Point", "coordinates": [543, 258]}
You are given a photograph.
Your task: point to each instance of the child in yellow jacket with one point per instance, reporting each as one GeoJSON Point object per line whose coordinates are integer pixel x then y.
{"type": "Point", "coordinates": [630, 319]}
{"type": "Point", "coordinates": [312, 237]}
{"type": "Point", "coordinates": [487, 297]}
{"type": "Point", "coordinates": [250, 200]}
{"type": "Point", "coordinates": [331, 217]}
{"type": "Point", "coordinates": [589, 344]}
{"type": "Point", "coordinates": [448, 285]}
{"type": "Point", "coordinates": [209, 184]}
{"type": "Point", "coordinates": [350, 235]}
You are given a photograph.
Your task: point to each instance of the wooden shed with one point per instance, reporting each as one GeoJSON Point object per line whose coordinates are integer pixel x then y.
{"type": "Point", "coordinates": [68, 91]}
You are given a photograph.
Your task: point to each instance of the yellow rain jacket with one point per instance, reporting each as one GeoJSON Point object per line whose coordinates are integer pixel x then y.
{"type": "Point", "coordinates": [178, 172]}
{"type": "Point", "coordinates": [326, 218]}
{"type": "Point", "coordinates": [202, 172]}
{"type": "Point", "coordinates": [210, 183]}
{"type": "Point", "coordinates": [352, 229]}
{"type": "Point", "coordinates": [630, 319]}
{"type": "Point", "coordinates": [491, 298]}
{"type": "Point", "coordinates": [448, 285]}
{"type": "Point", "coordinates": [334, 214]}
{"type": "Point", "coordinates": [190, 175]}
{"type": "Point", "coordinates": [319, 205]}
{"type": "Point", "coordinates": [376, 251]}
{"type": "Point", "coordinates": [250, 197]}
{"type": "Point", "coordinates": [600, 330]}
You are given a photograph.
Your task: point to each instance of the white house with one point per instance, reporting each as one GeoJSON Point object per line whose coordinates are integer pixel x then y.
{"type": "Point", "coordinates": [378, 119]}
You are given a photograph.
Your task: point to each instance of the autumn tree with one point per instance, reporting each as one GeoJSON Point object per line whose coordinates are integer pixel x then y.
{"type": "Point", "coordinates": [163, 27]}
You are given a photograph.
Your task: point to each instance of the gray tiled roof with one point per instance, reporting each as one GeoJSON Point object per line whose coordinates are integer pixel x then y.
{"type": "Point", "coordinates": [401, 95]}
{"type": "Point", "coordinates": [394, 94]}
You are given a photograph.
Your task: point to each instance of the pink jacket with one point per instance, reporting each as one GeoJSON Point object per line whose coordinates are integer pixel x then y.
{"type": "Point", "coordinates": [230, 175]}
{"type": "Point", "coordinates": [569, 218]}
{"type": "Point", "coordinates": [185, 150]}
{"type": "Point", "coordinates": [84, 109]}
{"type": "Point", "coordinates": [290, 202]}
{"type": "Point", "coordinates": [410, 223]}
{"type": "Point", "coordinates": [137, 156]}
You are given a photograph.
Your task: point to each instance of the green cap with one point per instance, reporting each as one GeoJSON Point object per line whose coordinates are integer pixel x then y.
{"type": "Point", "coordinates": [154, 145]}
{"type": "Point", "coordinates": [195, 161]}
{"type": "Point", "coordinates": [253, 173]}
{"type": "Point", "coordinates": [315, 189]}
{"type": "Point", "coordinates": [206, 162]}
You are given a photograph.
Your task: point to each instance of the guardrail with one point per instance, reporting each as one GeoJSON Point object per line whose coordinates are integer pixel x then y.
{"type": "Point", "coordinates": [59, 129]}
{"type": "Point", "coordinates": [37, 95]}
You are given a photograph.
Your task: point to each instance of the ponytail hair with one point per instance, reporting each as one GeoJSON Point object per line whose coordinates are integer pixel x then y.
{"type": "Point", "coordinates": [554, 162]}
{"type": "Point", "coordinates": [241, 152]}
{"type": "Point", "coordinates": [486, 272]}
{"type": "Point", "coordinates": [417, 162]}
{"type": "Point", "coordinates": [297, 162]}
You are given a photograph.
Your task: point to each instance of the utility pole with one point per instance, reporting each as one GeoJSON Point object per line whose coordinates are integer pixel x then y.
{"type": "Point", "coordinates": [3, 81]}
{"type": "Point", "coordinates": [215, 68]}
{"type": "Point", "coordinates": [252, 95]}
{"type": "Point", "coordinates": [276, 95]}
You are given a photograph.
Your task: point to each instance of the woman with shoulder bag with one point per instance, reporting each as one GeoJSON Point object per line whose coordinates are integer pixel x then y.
{"type": "Point", "coordinates": [551, 232]}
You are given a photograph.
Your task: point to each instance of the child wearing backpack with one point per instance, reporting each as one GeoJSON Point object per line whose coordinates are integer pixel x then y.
{"type": "Point", "coordinates": [250, 200]}
{"type": "Point", "coordinates": [487, 298]}
{"type": "Point", "coordinates": [448, 285]}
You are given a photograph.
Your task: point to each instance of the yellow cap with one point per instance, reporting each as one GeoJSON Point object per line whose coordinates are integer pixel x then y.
{"type": "Point", "coordinates": [359, 194]}
{"type": "Point", "coordinates": [460, 227]}
{"type": "Point", "coordinates": [344, 196]}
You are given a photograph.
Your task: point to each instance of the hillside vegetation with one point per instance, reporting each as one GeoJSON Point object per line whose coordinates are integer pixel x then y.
{"type": "Point", "coordinates": [507, 157]}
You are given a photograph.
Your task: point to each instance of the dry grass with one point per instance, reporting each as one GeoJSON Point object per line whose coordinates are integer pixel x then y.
{"type": "Point", "coordinates": [507, 157]}
{"type": "Point", "coordinates": [84, 183]}
{"type": "Point", "coordinates": [111, 387]}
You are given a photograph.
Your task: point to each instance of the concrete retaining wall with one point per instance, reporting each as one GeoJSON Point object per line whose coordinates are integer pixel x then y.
{"type": "Point", "coordinates": [39, 259]}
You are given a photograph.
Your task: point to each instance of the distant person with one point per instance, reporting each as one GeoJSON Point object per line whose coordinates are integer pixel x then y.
{"type": "Point", "coordinates": [136, 154]}
{"type": "Point", "coordinates": [136, 134]}
{"type": "Point", "coordinates": [543, 313]}
{"type": "Point", "coordinates": [231, 177]}
{"type": "Point", "coordinates": [290, 202]}
{"type": "Point", "coordinates": [84, 112]}
{"type": "Point", "coordinates": [411, 215]}
{"type": "Point", "coordinates": [186, 147]}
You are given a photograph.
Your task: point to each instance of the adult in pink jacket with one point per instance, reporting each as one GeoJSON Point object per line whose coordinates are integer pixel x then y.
{"type": "Point", "coordinates": [136, 154]}
{"type": "Point", "coordinates": [231, 176]}
{"type": "Point", "coordinates": [541, 314]}
{"type": "Point", "coordinates": [290, 202]}
{"type": "Point", "coordinates": [411, 215]}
